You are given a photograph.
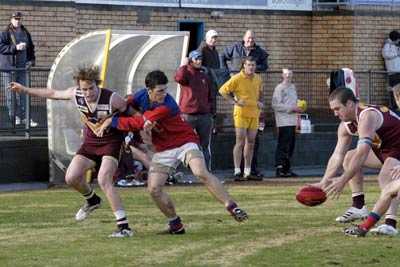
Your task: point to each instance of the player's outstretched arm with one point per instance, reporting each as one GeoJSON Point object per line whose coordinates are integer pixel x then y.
{"type": "Point", "coordinates": [368, 123]}
{"type": "Point", "coordinates": [43, 92]}
{"type": "Point", "coordinates": [335, 162]}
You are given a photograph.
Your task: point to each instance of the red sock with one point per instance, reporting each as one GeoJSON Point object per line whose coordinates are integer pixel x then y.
{"type": "Point", "coordinates": [372, 219]}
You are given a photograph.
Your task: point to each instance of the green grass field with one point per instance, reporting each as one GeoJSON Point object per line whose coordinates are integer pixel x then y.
{"type": "Point", "coordinates": [37, 228]}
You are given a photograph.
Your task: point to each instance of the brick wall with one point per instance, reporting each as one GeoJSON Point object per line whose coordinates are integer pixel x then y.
{"type": "Point", "coordinates": [299, 40]}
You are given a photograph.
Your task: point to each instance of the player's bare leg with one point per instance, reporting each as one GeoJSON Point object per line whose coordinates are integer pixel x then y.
{"type": "Point", "coordinates": [214, 186]}
{"type": "Point", "coordinates": [388, 194]}
{"type": "Point", "coordinates": [74, 177]}
{"type": "Point", "coordinates": [76, 170]}
{"type": "Point", "coordinates": [384, 179]}
{"type": "Point", "coordinates": [155, 184]}
{"type": "Point", "coordinates": [358, 210]}
{"type": "Point", "coordinates": [105, 179]}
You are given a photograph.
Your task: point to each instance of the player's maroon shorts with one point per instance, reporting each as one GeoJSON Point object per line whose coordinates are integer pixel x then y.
{"type": "Point", "coordinates": [96, 152]}
{"type": "Point", "coordinates": [383, 154]}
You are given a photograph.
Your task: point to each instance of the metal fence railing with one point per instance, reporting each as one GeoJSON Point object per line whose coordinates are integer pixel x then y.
{"type": "Point", "coordinates": [311, 86]}
{"type": "Point", "coordinates": [13, 107]}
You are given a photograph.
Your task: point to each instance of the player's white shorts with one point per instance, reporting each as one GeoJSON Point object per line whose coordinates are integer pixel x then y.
{"type": "Point", "coordinates": [167, 160]}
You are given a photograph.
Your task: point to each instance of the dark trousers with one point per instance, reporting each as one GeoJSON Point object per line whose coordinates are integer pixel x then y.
{"type": "Point", "coordinates": [202, 124]}
{"type": "Point", "coordinates": [285, 146]}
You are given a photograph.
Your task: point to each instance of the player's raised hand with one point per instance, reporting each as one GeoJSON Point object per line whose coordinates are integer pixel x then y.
{"type": "Point", "coordinates": [17, 87]}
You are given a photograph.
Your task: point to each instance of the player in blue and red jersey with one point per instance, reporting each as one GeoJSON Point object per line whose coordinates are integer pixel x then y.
{"type": "Point", "coordinates": [174, 141]}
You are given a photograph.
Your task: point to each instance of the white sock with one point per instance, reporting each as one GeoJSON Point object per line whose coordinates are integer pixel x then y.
{"type": "Point", "coordinates": [119, 214]}
{"type": "Point", "coordinates": [247, 171]}
{"type": "Point", "coordinates": [237, 171]}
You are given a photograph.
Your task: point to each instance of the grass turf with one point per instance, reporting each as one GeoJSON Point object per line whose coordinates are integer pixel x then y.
{"type": "Point", "coordinates": [37, 228]}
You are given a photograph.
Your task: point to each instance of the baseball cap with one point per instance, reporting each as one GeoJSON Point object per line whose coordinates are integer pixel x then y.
{"type": "Point", "coordinates": [210, 34]}
{"type": "Point", "coordinates": [195, 54]}
{"type": "Point", "coordinates": [17, 14]}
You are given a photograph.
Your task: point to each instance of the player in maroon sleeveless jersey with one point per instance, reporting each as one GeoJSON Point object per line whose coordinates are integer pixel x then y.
{"type": "Point", "coordinates": [95, 104]}
{"type": "Point", "coordinates": [378, 146]}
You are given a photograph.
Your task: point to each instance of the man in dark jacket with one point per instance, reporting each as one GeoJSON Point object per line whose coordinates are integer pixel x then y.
{"type": "Point", "coordinates": [238, 51]}
{"type": "Point", "coordinates": [235, 54]}
{"type": "Point", "coordinates": [16, 52]}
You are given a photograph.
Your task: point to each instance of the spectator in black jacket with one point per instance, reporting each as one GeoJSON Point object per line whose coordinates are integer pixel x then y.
{"type": "Point", "coordinates": [210, 61]}
{"type": "Point", "coordinates": [238, 51]}
{"type": "Point", "coordinates": [235, 54]}
{"type": "Point", "coordinates": [16, 51]}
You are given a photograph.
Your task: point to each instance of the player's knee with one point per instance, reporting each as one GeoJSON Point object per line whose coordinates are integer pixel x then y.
{"type": "Point", "coordinates": [390, 191]}
{"type": "Point", "coordinates": [202, 173]}
{"type": "Point", "coordinates": [70, 179]}
{"type": "Point", "coordinates": [154, 190]}
{"type": "Point", "coordinates": [240, 142]}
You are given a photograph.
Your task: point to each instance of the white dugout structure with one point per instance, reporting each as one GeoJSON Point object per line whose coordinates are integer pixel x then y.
{"type": "Point", "coordinates": [124, 57]}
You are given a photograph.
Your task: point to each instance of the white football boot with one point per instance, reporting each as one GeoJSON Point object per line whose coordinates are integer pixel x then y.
{"type": "Point", "coordinates": [385, 229]}
{"type": "Point", "coordinates": [353, 214]}
{"type": "Point", "coordinates": [86, 209]}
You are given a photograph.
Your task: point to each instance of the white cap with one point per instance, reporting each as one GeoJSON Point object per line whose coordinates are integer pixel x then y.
{"type": "Point", "coordinates": [210, 34]}
{"type": "Point", "coordinates": [286, 71]}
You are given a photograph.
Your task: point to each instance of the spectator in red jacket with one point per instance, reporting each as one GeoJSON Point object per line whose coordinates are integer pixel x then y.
{"type": "Point", "coordinates": [196, 100]}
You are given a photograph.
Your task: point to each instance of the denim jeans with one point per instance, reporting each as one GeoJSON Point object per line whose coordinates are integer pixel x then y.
{"type": "Point", "coordinates": [15, 106]}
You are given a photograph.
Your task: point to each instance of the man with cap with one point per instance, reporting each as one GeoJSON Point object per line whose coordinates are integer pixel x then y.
{"type": "Point", "coordinates": [209, 50]}
{"type": "Point", "coordinates": [16, 51]}
{"type": "Point", "coordinates": [210, 61]}
{"type": "Point", "coordinates": [196, 100]}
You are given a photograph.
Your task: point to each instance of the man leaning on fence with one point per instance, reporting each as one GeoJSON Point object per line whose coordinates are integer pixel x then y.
{"type": "Point", "coordinates": [16, 52]}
